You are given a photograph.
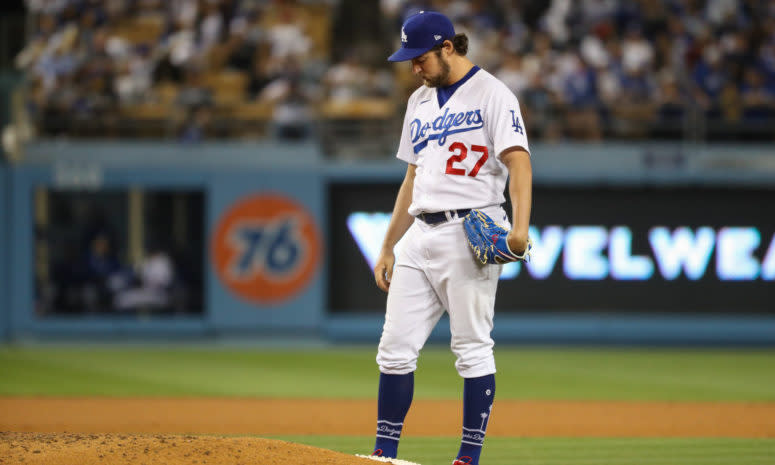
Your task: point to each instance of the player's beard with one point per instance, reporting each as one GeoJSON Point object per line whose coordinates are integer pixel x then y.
{"type": "Point", "coordinates": [442, 78]}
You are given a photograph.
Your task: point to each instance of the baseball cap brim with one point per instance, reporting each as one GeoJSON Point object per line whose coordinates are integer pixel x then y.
{"type": "Point", "coordinates": [404, 54]}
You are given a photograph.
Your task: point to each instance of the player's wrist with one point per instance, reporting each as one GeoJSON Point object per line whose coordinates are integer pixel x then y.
{"type": "Point", "coordinates": [519, 233]}
{"type": "Point", "coordinates": [517, 241]}
{"type": "Point", "coordinates": [387, 249]}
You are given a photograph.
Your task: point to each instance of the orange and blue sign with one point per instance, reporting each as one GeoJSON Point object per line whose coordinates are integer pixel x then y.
{"type": "Point", "coordinates": [266, 248]}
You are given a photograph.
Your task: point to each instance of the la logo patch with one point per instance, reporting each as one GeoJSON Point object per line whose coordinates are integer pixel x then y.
{"type": "Point", "coordinates": [403, 35]}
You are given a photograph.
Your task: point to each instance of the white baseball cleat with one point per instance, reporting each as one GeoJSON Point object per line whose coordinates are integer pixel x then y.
{"type": "Point", "coordinates": [386, 460]}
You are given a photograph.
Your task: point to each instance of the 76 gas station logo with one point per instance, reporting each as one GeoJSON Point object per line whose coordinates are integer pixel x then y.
{"type": "Point", "coordinates": [273, 248]}
{"type": "Point", "coordinates": [266, 248]}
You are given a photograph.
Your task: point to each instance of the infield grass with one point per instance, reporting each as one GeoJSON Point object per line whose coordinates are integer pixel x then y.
{"type": "Point", "coordinates": [350, 372]}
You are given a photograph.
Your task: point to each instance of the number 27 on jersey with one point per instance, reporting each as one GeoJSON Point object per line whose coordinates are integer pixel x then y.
{"type": "Point", "coordinates": [460, 152]}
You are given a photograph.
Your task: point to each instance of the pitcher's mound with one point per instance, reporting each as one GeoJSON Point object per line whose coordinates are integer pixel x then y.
{"type": "Point", "coordinates": [160, 449]}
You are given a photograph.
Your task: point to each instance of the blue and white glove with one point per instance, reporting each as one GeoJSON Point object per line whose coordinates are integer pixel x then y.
{"type": "Point", "coordinates": [488, 240]}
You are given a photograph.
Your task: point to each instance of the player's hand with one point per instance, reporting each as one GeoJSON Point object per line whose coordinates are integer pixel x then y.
{"type": "Point", "coordinates": [383, 270]}
{"type": "Point", "coordinates": [517, 241]}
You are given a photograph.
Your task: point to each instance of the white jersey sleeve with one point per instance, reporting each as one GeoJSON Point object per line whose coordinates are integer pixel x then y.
{"type": "Point", "coordinates": [405, 149]}
{"type": "Point", "coordinates": [503, 120]}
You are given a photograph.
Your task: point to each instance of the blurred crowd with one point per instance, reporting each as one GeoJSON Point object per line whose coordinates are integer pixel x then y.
{"type": "Point", "coordinates": [92, 64]}
{"type": "Point", "coordinates": [584, 69]}
{"type": "Point", "coordinates": [594, 68]}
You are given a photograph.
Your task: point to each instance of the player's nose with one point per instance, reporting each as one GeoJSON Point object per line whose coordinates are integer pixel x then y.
{"type": "Point", "coordinates": [416, 68]}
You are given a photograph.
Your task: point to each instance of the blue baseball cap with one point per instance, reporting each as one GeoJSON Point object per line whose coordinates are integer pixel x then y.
{"type": "Point", "coordinates": [421, 32]}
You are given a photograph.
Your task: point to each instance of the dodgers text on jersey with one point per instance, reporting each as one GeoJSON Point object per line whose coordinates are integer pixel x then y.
{"type": "Point", "coordinates": [446, 124]}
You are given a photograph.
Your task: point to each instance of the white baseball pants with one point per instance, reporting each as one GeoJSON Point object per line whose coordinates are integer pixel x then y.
{"type": "Point", "coordinates": [436, 271]}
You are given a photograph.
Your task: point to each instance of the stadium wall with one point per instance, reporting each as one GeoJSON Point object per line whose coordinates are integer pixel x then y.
{"type": "Point", "coordinates": [288, 188]}
{"type": "Point", "coordinates": [5, 225]}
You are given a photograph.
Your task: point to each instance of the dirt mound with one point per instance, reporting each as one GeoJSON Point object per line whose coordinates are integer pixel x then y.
{"type": "Point", "coordinates": [160, 449]}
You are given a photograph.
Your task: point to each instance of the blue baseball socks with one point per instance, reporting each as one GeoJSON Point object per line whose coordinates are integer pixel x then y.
{"type": "Point", "coordinates": [395, 397]}
{"type": "Point", "coordinates": [478, 394]}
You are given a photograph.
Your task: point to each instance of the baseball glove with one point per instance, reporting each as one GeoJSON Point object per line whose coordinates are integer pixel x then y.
{"type": "Point", "coordinates": [488, 240]}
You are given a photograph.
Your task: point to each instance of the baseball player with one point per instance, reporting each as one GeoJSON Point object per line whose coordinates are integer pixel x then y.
{"type": "Point", "coordinates": [463, 137]}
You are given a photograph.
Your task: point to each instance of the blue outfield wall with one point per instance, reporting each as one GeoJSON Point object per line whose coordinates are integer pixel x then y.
{"type": "Point", "coordinates": [224, 175]}
{"type": "Point", "coordinates": [231, 174]}
{"type": "Point", "coordinates": [5, 226]}
{"type": "Point", "coordinates": [25, 324]}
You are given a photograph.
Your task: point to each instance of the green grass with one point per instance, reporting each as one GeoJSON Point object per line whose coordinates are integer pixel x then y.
{"type": "Point", "coordinates": [523, 373]}
{"type": "Point", "coordinates": [569, 451]}
{"type": "Point", "coordinates": [350, 372]}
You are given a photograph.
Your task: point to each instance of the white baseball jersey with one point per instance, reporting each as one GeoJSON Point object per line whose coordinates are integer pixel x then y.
{"type": "Point", "coordinates": [457, 146]}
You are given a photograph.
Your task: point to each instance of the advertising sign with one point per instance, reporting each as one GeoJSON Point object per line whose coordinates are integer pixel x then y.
{"type": "Point", "coordinates": [628, 249]}
{"type": "Point", "coordinates": [266, 248]}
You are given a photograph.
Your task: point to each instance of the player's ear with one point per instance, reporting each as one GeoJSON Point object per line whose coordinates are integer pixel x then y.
{"type": "Point", "coordinates": [448, 47]}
